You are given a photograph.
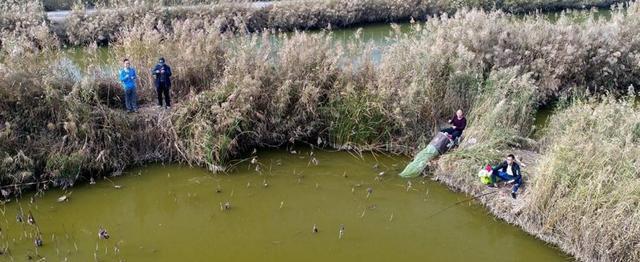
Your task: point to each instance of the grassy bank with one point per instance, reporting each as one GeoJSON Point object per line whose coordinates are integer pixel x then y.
{"type": "Point", "coordinates": [581, 185]}
{"type": "Point", "coordinates": [290, 15]}
{"type": "Point", "coordinates": [56, 127]}
{"type": "Point", "coordinates": [236, 93]}
{"type": "Point", "coordinates": [597, 180]}
{"type": "Point", "coordinates": [53, 5]}
{"type": "Point", "coordinates": [515, 6]}
{"type": "Point", "coordinates": [107, 22]}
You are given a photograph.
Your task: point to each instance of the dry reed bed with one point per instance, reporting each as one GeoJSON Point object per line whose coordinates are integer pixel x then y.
{"type": "Point", "coordinates": [240, 93]}
{"type": "Point", "coordinates": [243, 92]}
{"type": "Point", "coordinates": [292, 15]}
{"type": "Point", "coordinates": [57, 128]}
{"type": "Point", "coordinates": [82, 29]}
{"type": "Point", "coordinates": [584, 186]}
{"type": "Point", "coordinates": [590, 166]}
{"type": "Point", "coordinates": [23, 27]}
{"type": "Point", "coordinates": [52, 5]}
{"type": "Point", "coordinates": [571, 197]}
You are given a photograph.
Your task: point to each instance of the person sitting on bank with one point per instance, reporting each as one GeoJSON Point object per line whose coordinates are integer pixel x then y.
{"type": "Point", "coordinates": [128, 78]}
{"type": "Point", "coordinates": [458, 124]}
{"type": "Point", "coordinates": [508, 171]}
{"type": "Point", "coordinates": [162, 73]}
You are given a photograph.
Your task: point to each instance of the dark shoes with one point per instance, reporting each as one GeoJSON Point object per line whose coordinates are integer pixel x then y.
{"type": "Point", "coordinates": [492, 186]}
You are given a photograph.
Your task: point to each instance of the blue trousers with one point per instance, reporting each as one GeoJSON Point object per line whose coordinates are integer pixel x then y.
{"type": "Point", "coordinates": [131, 99]}
{"type": "Point", "coordinates": [506, 177]}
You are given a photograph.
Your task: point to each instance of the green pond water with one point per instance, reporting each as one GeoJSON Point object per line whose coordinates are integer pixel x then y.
{"type": "Point", "coordinates": [173, 213]}
{"type": "Point", "coordinates": [541, 120]}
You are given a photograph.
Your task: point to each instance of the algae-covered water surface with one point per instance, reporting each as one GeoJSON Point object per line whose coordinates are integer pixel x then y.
{"type": "Point", "coordinates": [266, 211]}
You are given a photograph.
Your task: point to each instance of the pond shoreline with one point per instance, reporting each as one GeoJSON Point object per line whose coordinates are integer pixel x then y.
{"type": "Point", "coordinates": [234, 98]}
{"type": "Point", "coordinates": [103, 25]}
{"type": "Point", "coordinates": [500, 205]}
{"type": "Point", "coordinates": [281, 202]}
{"type": "Point", "coordinates": [494, 204]}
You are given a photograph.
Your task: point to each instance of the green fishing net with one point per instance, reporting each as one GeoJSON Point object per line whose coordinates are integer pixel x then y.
{"type": "Point", "coordinates": [421, 160]}
{"type": "Point", "coordinates": [437, 146]}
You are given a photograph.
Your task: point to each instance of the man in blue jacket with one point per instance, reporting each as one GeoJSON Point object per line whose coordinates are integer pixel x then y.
{"type": "Point", "coordinates": [128, 79]}
{"type": "Point", "coordinates": [162, 74]}
{"type": "Point", "coordinates": [508, 171]}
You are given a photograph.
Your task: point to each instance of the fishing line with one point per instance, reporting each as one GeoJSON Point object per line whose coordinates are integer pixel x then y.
{"type": "Point", "coordinates": [26, 184]}
{"type": "Point", "coordinates": [460, 202]}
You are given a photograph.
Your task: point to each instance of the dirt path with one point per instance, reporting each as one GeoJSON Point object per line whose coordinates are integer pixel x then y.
{"type": "Point", "coordinates": [153, 109]}
{"type": "Point", "coordinates": [470, 183]}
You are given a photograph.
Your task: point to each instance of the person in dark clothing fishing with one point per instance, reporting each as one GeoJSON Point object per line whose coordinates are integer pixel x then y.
{"type": "Point", "coordinates": [458, 124]}
{"type": "Point", "coordinates": [162, 74]}
{"type": "Point", "coordinates": [508, 171]}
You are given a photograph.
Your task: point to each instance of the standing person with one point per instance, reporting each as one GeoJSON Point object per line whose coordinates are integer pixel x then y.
{"type": "Point", "coordinates": [458, 124]}
{"type": "Point", "coordinates": [508, 171]}
{"type": "Point", "coordinates": [162, 73]}
{"type": "Point", "coordinates": [128, 78]}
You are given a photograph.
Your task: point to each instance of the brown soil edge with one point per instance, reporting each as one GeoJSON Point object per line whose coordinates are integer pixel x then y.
{"type": "Point", "coordinates": [501, 205]}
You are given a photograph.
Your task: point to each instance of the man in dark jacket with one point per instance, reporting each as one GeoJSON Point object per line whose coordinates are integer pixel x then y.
{"type": "Point", "coordinates": [162, 74]}
{"type": "Point", "coordinates": [508, 171]}
{"type": "Point", "coordinates": [458, 124]}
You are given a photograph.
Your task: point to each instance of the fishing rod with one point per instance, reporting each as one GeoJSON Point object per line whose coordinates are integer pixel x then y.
{"type": "Point", "coordinates": [460, 202]}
